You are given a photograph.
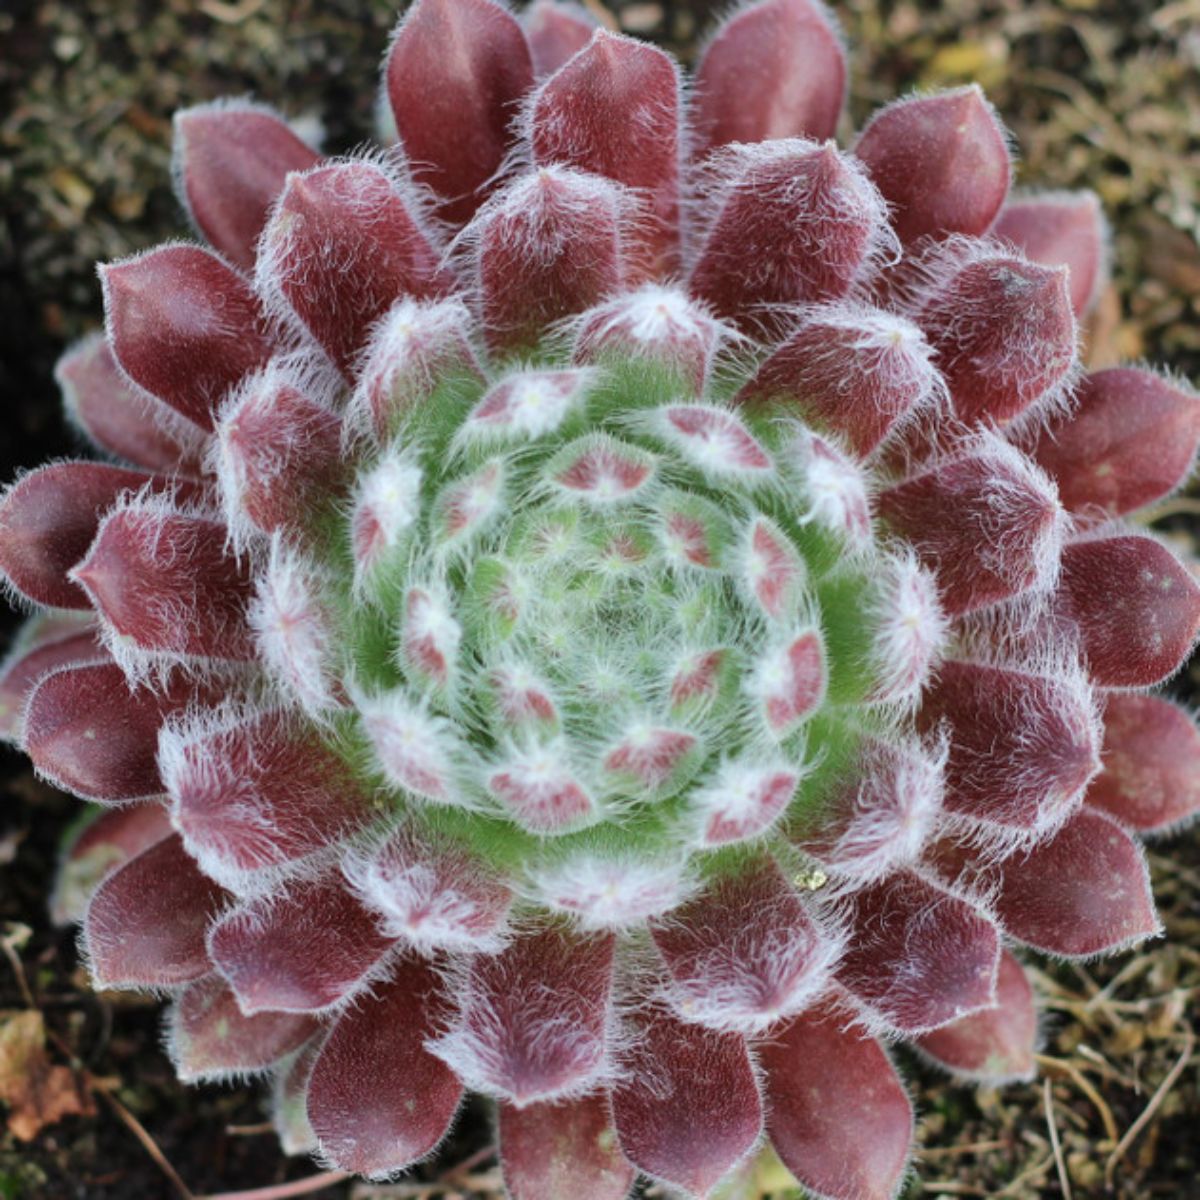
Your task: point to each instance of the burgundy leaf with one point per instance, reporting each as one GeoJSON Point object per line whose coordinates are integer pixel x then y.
{"type": "Point", "coordinates": [1022, 746]}
{"type": "Point", "coordinates": [48, 519]}
{"type": "Point", "coordinates": [686, 1108]}
{"type": "Point", "coordinates": [853, 370]}
{"type": "Point", "coordinates": [1151, 755]}
{"type": "Point", "coordinates": [1130, 440]}
{"type": "Point", "coordinates": [45, 643]}
{"type": "Point", "coordinates": [745, 952]}
{"type": "Point", "coordinates": [184, 325]}
{"type": "Point", "coordinates": [1136, 605]}
{"type": "Point", "coordinates": [568, 1148]}
{"type": "Point", "coordinates": [231, 161]}
{"type": "Point", "coordinates": [251, 793]}
{"type": "Point", "coordinates": [849, 1141]}
{"type": "Point", "coordinates": [941, 161]}
{"type": "Point", "coordinates": [1061, 229]}
{"type": "Point", "coordinates": [383, 253]}
{"type": "Point", "coordinates": [792, 223]}
{"type": "Point", "coordinates": [775, 69]}
{"type": "Point", "coordinates": [164, 584]}
{"type": "Point", "coordinates": [555, 32]}
{"type": "Point", "coordinates": [1084, 892]}
{"type": "Point", "coordinates": [279, 454]}
{"type": "Point", "coordinates": [552, 243]}
{"type": "Point", "coordinates": [304, 950]}
{"type": "Point", "coordinates": [110, 839]}
{"type": "Point", "coordinates": [918, 956]}
{"type": "Point", "coordinates": [614, 110]}
{"type": "Point", "coordinates": [1002, 329]}
{"type": "Point", "coordinates": [456, 71]}
{"type": "Point", "coordinates": [146, 924]}
{"type": "Point", "coordinates": [532, 1021]}
{"type": "Point", "coordinates": [988, 525]}
{"type": "Point", "coordinates": [209, 1037]}
{"type": "Point", "coordinates": [91, 733]}
{"type": "Point", "coordinates": [378, 1130]}
{"type": "Point", "coordinates": [876, 813]}
{"type": "Point", "coordinates": [996, 1045]}
{"type": "Point", "coordinates": [119, 418]}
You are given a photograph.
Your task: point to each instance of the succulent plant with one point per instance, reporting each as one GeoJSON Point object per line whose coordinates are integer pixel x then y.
{"type": "Point", "coordinates": [610, 602]}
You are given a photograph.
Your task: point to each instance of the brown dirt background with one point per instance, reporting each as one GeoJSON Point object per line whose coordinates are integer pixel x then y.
{"type": "Point", "coordinates": [1102, 93]}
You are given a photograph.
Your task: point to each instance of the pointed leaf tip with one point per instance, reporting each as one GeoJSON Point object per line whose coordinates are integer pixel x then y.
{"type": "Point", "coordinates": [383, 254]}
{"type": "Point", "coordinates": [1084, 892]}
{"type": "Point", "coordinates": [614, 111]}
{"type": "Point", "coordinates": [1151, 755]}
{"type": "Point", "coordinates": [774, 69]}
{"type": "Point", "coordinates": [1129, 440]}
{"type": "Point", "coordinates": [941, 161]}
{"type": "Point", "coordinates": [1061, 229]}
{"type": "Point", "coordinates": [1136, 605]}
{"type": "Point", "coordinates": [996, 1045]}
{"type": "Point", "coordinates": [231, 161]}
{"type": "Point", "coordinates": [183, 325]}
{"type": "Point", "coordinates": [456, 70]}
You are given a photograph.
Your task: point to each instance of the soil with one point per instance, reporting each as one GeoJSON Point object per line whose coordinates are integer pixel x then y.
{"type": "Point", "coordinates": [1099, 93]}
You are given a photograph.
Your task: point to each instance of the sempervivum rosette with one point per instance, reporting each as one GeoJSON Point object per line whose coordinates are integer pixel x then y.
{"type": "Point", "coordinates": [610, 603]}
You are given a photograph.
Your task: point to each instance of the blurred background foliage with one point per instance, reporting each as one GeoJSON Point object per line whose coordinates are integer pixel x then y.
{"type": "Point", "coordinates": [1098, 93]}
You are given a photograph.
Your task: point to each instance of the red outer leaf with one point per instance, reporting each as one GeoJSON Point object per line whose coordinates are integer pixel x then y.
{"type": "Point", "coordinates": [231, 161]}
{"type": "Point", "coordinates": [183, 325]}
{"type": "Point", "coordinates": [775, 69]}
{"type": "Point", "coordinates": [1022, 747]}
{"type": "Point", "coordinates": [45, 643]}
{"type": "Point", "coordinates": [1084, 892]}
{"type": "Point", "coordinates": [988, 525]}
{"type": "Point", "coordinates": [1061, 229]}
{"type": "Point", "coordinates": [917, 956]}
{"type": "Point", "coordinates": [146, 924]}
{"type": "Point", "coordinates": [119, 418]}
{"type": "Point", "coordinates": [1137, 607]}
{"type": "Point", "coordinates": [411, 1099]}
{"type": "Point", "coordinates": [162, 580]}
{"type": "Point", "coordinates": [851, 369]}
{"type": "Point", "coordinates": [941, 161]}
{"type": "Point", "coordinates": [108, 841]}
{"type": "Point", "coordinates": [48, 520]}
{"type": "Point", "coordinates": [996, 1045]}
{"type": "Point", "coordinates": [877, 813]}
{"type": "Point", "coordinates": [89, 732]}
{"type": "Point", "coordinates": [614, 110]}
{"type": "Point", "coordinates": [1151, 776]}
{"type": "Point", "coordinates": [1002, 329]}
{"type": "Point", "coordinates": [845, 1142]}
{"type": "Point", "coordinates": [304, 951]}
{"type": "Point", "coordinates": [280, 452]}
{"type": "Point", "coordinates": [383, 253]}
{"type": "Point", "coordinates": [566, 1149]}
{"type": "Point", "coordinates": [209, 1038]}
{"type": "Point", "coordinates": [256, 793]}
{"type": "Point", "coordinates": [687, 1108]}
{"type": "Point", "coordinates": [744, 953]}
{"type": "Point", "coordinates": [550, 245]}
{"type": "Point", "coordinates": [454, 75]}
{"type": "Point", "coordinates": [1130, 440]}
{"type": "Point", "coordinates": [532, 1021]}
{"type": "Point", "coordinates": [793, 223]}
{"type": "Point", "coordinates": [556, 32]}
